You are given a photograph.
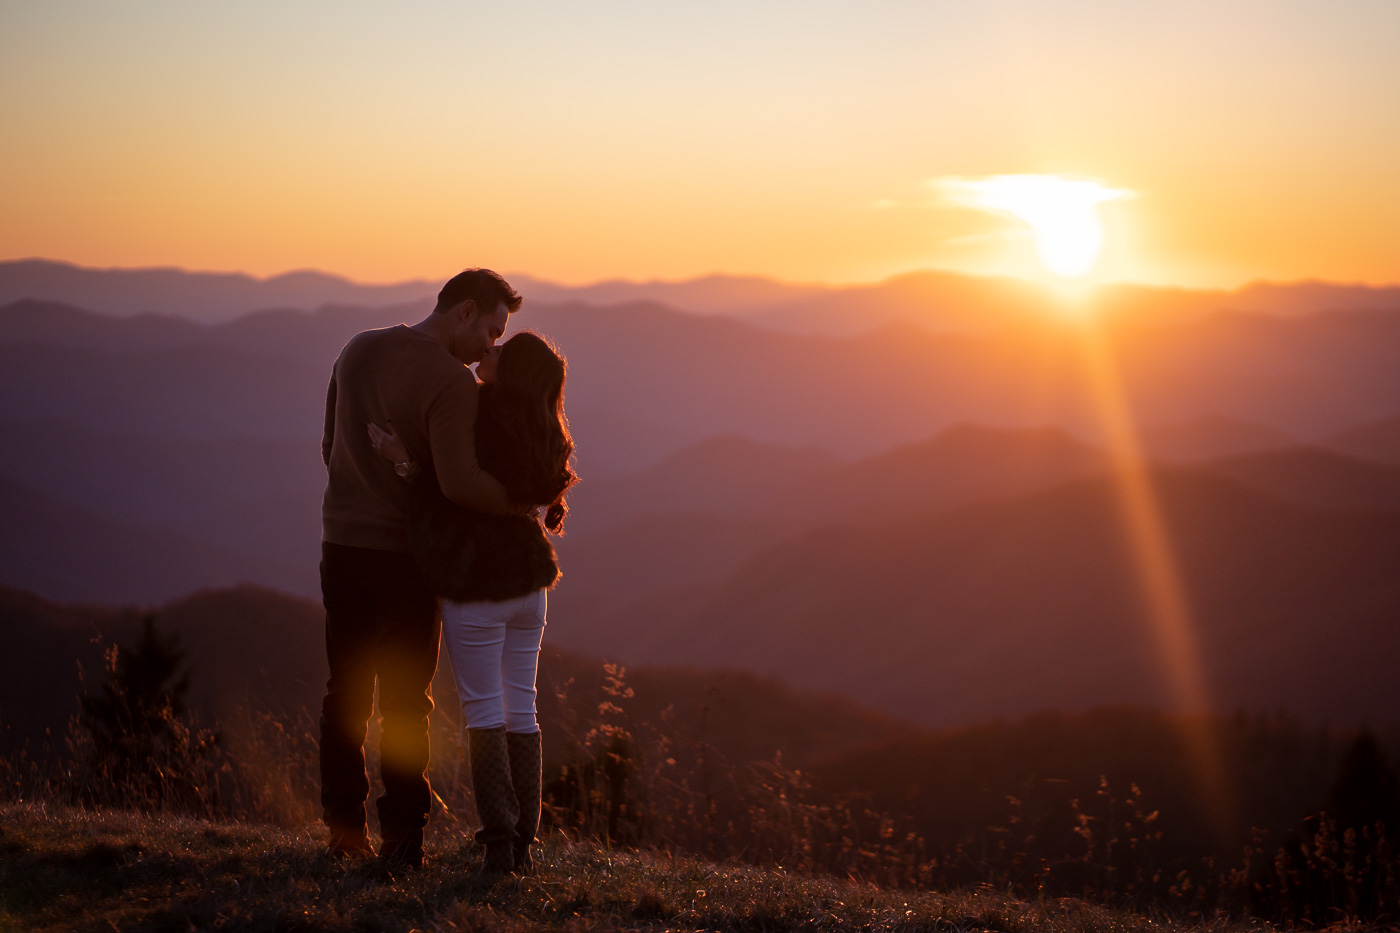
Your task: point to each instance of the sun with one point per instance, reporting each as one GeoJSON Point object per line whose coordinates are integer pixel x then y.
{"type": "Point", "coordinates": [1061, 212]}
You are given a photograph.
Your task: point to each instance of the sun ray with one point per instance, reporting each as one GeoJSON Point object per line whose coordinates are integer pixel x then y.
{"type": "Point", "coordinates": [1164, 591]}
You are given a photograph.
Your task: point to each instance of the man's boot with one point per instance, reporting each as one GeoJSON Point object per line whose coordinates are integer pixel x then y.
{"type": "Point", "coordinates": [525, 766]}
{"type": "Point", "coordinates": [349, 844]}
{"type": "Point", "coordinates": [402, 848]}
{"type": "Point", "coordinates": [495, 798]}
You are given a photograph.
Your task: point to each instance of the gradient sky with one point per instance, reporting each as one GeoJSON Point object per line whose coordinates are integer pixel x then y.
{"type": "Point", "coordinates": [577, 142]}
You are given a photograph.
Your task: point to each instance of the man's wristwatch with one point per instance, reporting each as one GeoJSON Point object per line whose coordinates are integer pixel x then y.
{"type": "Point", "coordinates": [406, 470]}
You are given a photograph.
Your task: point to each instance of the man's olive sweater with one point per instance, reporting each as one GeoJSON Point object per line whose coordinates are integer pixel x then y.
{"type": "Point", "coordinates": [399, 376]}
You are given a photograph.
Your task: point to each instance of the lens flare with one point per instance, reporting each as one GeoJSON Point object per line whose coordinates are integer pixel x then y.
{"type": "Point", "coordinates": [1061, 212]}
{"type": "Point", "coordinates": [1163, 586]}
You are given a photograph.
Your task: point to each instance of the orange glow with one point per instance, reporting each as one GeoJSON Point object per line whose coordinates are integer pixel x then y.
{"type": "Point", "coordinates": [577, 147]}
{"type": "Point", "coordinates": [1164, 593]}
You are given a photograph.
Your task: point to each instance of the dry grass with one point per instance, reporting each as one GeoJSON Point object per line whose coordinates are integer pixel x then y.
{"type": "Point", "coordinates": [622, 787]}
{"type": "Point", "coordinates": [623, 793]}
{"type": "Point", "coordinates": [72, 869]}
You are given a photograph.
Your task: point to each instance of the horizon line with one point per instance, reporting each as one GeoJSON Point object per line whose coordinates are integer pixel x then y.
{"type": "Point", "coordinates": [737, 276]}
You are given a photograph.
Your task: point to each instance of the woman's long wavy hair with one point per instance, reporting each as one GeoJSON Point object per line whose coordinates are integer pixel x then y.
{"type": "Point", "coordinates": [522, 413]}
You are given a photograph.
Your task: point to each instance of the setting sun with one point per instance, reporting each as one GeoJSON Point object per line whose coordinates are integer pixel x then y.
{"type": "Point", "coordinates": [1061, 212]}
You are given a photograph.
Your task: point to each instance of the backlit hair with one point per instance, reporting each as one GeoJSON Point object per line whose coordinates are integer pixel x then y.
{"type": "Point", "coordinates": [486, 288]}
{"type": "Point", "coordinates": [522, 414]}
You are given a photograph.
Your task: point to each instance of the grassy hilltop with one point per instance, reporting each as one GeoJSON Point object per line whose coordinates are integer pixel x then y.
{"type": "Point", "coordinates": [654, 777]}
{"type": "Point", "coordinates": [66, 869]}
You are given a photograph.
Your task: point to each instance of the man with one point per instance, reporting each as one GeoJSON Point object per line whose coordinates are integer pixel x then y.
{"type": "Point", "coordinates": [382, 620]}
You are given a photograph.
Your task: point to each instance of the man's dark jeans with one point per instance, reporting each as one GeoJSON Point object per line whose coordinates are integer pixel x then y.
{"type": "Point", "coordinates": [381, 623]}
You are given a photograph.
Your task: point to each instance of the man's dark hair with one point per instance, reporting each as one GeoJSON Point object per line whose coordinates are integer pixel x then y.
{"type": "Point", "coordinates": [483, 286]}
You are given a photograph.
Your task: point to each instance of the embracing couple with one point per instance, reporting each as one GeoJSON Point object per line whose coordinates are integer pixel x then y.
{"type": "Point", "coordinates": [431, 526]}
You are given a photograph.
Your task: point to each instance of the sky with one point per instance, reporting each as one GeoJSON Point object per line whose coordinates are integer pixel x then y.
{"type": "Point", "coordinates": [807, 141]}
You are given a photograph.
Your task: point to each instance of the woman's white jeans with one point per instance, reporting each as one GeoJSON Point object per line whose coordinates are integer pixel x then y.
{"type": "Point", "coordinates": [495, 652]}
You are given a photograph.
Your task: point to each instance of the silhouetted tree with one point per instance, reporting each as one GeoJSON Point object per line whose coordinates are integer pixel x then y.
{"type": "Point", "coordinates": [1367, 789]}
{"type": "Point", "coordinates": [144, 692]}
{"type": "Point", "coordinates": [143, 748]}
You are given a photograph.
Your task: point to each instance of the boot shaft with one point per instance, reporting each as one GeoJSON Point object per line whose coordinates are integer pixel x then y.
{"type": "Point", "coordinates": [496, 805]}
{"type": "Point", "coordinates": [525, 779]}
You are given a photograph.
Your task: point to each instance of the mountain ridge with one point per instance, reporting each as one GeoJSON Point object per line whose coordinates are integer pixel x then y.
{"type": "Point", "coordinates": [1255, 563]}
{"type": "Point", "coordinates": [939, 299]}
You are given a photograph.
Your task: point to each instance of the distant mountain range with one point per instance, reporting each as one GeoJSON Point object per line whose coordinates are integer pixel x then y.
{"type": "Point", "coordinates": [650, 381]}
{"type": "Point", "coordinates": [1374, 440]}
{"type": "Point", "coordinates": [204, 297]}
{"type": "Point", "coordinates": [922, 520]}
{"type": "Point", "coordinates": [941, 301]}
{"type": "Point", "coordinates": [938, 600]}
{"type": "Point", "coordinates": [1002, 607]}
{"type": "Point", "coordinates": [650, 537]}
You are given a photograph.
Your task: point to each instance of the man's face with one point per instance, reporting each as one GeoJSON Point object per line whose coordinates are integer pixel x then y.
{"type": "Point", "coordinates": [477, 330]}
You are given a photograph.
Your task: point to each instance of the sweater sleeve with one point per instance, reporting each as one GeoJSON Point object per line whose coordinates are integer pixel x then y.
{"type": "Point", "coordinates": [452, 440]}
{"type": "Point", "coordinates": [328, 432]}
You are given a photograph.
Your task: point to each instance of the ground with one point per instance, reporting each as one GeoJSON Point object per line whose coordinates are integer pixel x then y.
{"type": "Point", "coordinates": [67, 869]}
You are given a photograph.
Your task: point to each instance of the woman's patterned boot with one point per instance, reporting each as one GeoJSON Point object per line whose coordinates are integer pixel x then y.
{"type": "Point", "coordinates": [525, 779]}
{"type": "Point", "coordinates": [495, 798]}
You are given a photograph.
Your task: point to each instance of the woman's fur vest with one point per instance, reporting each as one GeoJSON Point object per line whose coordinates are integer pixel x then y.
{"type": "Point", "coordinates": [470, 556]}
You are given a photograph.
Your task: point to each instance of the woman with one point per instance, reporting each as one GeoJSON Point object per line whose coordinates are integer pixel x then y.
{"type": "Point", "coordinates": [492, 574]}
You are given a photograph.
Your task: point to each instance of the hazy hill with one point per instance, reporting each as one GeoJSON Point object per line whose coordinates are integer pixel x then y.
{"type": "Point", "coordinates": [197, 296]}
{"type": "Point", "coordinates": [727, 475]}
{"type": "Point", "coordinates": [55, 324]}
{"type": "Point", "coordinates": [312, 337]}
{"type": "Point", "coordinates": [1374, 440]}
{"type": "Point", "coordinates": [1210, 436]}
{"type": "Point", "coordinates": [253, 648]}
{"type": "Point", "coordinates": [1314, 476]}
{"type": "Point", "coordinates": [1006, 607]}
{"type": "Point", "coordinates": [938, 301]}
{"type": "Point", "coordinates": [643, 364]}
{"type": "Point", "coordinates": [605, 571]}
{"type": "Point", "coordinates": [211, 297]}
{"type": "Point", "coordinates": [789, 487]}
{"type": "Point", "coordinates": [186, 484]}
{"type": "Point", "coordinates": [858, 395]}
{"type": "Point", "coordinates": [1309, 297]}
{"type": "Point", "coordinates": [711, 294]}
{"type": "Point", "coordinates": [953, 302]}
{"type": "Point", "coordinates": [942, 301]}
{"type": "Point", "coordinates": [1303, 375]}
{"type": "Point", "coordinates": [51, 547]}
{"type": "Point", "coordinates": [199, 392]}
{"type": "Point", "coordinates": [948, 302]}
{"type": "Point", "coordinates": [258, 496]}
{"type": "Point", "coordinates": [965, 463]}
{"type": "Point", "coordinates": [635, 540]}
{"type": "Point", "coordinates": [688, 520]}
{"type": "Point", "coordinates": [695, 517]}
{"type": "Point", "coordinates": [957, 782]}
{"type": "Point", "coordinates": [161, 456]}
